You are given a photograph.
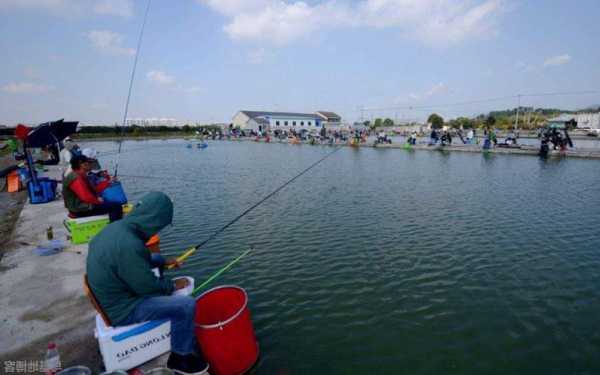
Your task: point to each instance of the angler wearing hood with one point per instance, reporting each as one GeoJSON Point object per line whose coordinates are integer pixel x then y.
{"type": "Point", "coordinates": [119, 274]}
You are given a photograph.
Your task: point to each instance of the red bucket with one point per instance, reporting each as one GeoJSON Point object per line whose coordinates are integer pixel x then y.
{"type": "Point", "coordinates": [224, 330]}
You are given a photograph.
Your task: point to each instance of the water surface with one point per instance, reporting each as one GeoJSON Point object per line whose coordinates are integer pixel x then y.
{"type": "Point", "coordinates": [390, 261]}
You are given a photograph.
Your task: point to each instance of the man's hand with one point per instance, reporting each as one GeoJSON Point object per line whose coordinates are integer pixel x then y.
{"type": "Point", "coordinates": [181, 283]}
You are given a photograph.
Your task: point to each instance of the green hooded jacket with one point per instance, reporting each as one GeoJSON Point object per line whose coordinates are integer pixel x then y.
{"type": "Point", "coordinates": [118, 263]}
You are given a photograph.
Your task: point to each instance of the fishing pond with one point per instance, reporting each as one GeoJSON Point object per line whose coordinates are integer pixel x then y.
{"type": "Point", "coordinates": [387, 261]}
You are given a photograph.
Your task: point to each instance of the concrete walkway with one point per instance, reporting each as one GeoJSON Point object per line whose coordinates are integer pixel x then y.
{"type": "Point", "coordinates": [42, 297]}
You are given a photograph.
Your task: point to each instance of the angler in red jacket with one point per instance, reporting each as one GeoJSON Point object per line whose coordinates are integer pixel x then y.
{"type": "Point", "coordinates": [80, 196]}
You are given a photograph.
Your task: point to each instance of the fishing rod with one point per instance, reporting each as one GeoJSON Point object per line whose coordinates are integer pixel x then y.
{"type": "Point", "coordinates": [137, 54]}
{"type": "Point", "coordinates": [191, 250]}
{"type": "Point", "coordinates": [222, 270]}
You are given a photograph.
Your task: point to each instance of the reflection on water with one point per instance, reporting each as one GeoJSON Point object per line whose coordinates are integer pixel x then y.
{"type": "Point", "coordinates": [388, 261]}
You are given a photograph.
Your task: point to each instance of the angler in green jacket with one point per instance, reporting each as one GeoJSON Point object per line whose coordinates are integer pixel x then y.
{"type": "Point", "coordinates": [119, 274]}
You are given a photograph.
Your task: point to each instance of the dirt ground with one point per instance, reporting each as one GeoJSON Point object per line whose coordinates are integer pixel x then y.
{"type": "Point", "coordinates": [10, 208]}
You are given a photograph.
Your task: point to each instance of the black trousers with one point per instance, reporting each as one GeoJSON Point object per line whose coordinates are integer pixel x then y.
{"type": "Point", "coordinates": [114, 211]}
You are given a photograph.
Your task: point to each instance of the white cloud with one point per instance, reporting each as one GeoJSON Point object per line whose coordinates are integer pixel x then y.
{"type": "Point", "coordinates": [25, 88]}
{"type": "Point", "coordinates": [122, 8]}
{"type": "Point", "coordinates": [109, 41]}
{"type": "Point", "coordinates": [166, 80]}
{"type": "Point", "coordinates": [435, 22]}
{"type": "Point", "coordinates": [233, 7]}
{"type": "Point", "coordinates": [159, 77]}
{"type": "Point", "coordinates": [278, 23]}
{"type": "Point", "coordinates": [440, 88]}
{"type": "Point", "coordinates": [557, 60]}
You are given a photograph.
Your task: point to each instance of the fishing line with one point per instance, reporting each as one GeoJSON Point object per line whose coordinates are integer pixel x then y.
{"type": "Point", "coordinates": [137, 53]}
{"type": "Point", "coordinates": [191, 250]}
{"type": "Point", "coordinates": [248, 210]}
{"type": "Point", "coordinates": [158, 178]}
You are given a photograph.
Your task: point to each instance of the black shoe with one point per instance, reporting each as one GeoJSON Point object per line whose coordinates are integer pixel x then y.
{"type": "Point", "coordinates": [187, 364]}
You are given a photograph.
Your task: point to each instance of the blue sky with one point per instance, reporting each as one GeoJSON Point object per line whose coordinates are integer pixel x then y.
{"type": "Point", "coordinates": [202, 60]}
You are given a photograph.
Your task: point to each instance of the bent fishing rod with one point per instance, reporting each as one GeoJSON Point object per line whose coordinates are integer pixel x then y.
{"type": "Point", "coordinates": [191, 250]}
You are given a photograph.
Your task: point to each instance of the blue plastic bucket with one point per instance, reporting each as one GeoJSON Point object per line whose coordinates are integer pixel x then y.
{"type": "Point", "coordinates": [114, 193]}
{"type": "Point", "coordinates": [42, 192]}
{"type": "Point", "coordinates": [23, 175]}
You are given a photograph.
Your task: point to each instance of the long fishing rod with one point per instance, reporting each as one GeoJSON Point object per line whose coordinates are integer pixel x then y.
{"type": "Point", "coordinates": [191, 250]}
{"type": "Point", "coordinates": [221, 271]}
{"type": "Point", "coordinates": [137, 54]}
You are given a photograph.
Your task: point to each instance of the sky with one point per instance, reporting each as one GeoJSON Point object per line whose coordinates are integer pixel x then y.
{"type": "Point", "coordinates": [203, 60]}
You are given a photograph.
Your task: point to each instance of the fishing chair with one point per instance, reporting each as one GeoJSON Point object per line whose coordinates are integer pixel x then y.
{"type": "Point", "coordinates": [94, 301]}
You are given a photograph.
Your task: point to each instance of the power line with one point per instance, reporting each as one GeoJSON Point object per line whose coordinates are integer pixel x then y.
{"type": "Point", "coordinates": [479, 101]}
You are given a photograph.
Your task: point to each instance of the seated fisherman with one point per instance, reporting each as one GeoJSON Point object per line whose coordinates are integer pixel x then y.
{"type": "Point", "coordinates": [81, 198]}
{"type": "Point", "coordinates": [119, 275]}
{"type": "Point", "coordinates": [99, 179]}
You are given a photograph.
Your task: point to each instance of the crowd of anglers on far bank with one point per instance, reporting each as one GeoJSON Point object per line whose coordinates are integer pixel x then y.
{"type": "Point", "coordinates": [555, 138]}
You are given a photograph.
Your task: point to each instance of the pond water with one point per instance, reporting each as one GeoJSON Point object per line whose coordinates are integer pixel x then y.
{"type": "Point", "coordinates": [385, 261]}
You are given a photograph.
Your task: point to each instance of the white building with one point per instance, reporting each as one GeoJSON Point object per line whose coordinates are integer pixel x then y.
{"type": "Point", "coordinates": [262, 121]}
{"type": "Point", "coordinates": [588, 120]}
{"type": "Point", "coordinates": [580, 120]}
{"type": "Point", "coordinates": [330, 118]}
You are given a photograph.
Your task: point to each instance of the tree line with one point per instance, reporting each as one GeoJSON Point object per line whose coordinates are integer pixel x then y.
{"type": "Point", "coordinates": [528, 118]}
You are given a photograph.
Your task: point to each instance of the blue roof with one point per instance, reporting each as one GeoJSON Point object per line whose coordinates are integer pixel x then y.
{"type": "Point", "coordinates": [255, 114]}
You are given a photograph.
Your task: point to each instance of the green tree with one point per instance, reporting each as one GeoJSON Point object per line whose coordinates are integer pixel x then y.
{"type": "Point", "coordinates": [436, 121]}
{"type": "Point", "coordinates": [378, 123]}
{"type": "Point", "coordinates": [388, 122]}
{"type": "Point", "coordinates": [462, 122]}
{"type": "Point", "coordinates": [490, 121]}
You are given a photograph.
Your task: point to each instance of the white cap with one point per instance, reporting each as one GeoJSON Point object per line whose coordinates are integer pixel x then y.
{"type": "Point", "coordinates": [89, 153]}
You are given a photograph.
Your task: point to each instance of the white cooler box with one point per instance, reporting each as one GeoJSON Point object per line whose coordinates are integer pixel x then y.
{"type": "Point", "coordinates": [124, 348]}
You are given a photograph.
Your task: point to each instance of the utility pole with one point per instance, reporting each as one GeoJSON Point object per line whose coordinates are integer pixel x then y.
{"type": "Point", "coordinates": [518, 108]}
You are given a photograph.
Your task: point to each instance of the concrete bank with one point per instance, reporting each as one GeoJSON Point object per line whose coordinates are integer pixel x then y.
{"type": "Point", "coordinates": [10, 206]}
{"type": "Point", "coordinates": [522, 150]}
{"type": "Point", "coordinates": [42, 297]}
